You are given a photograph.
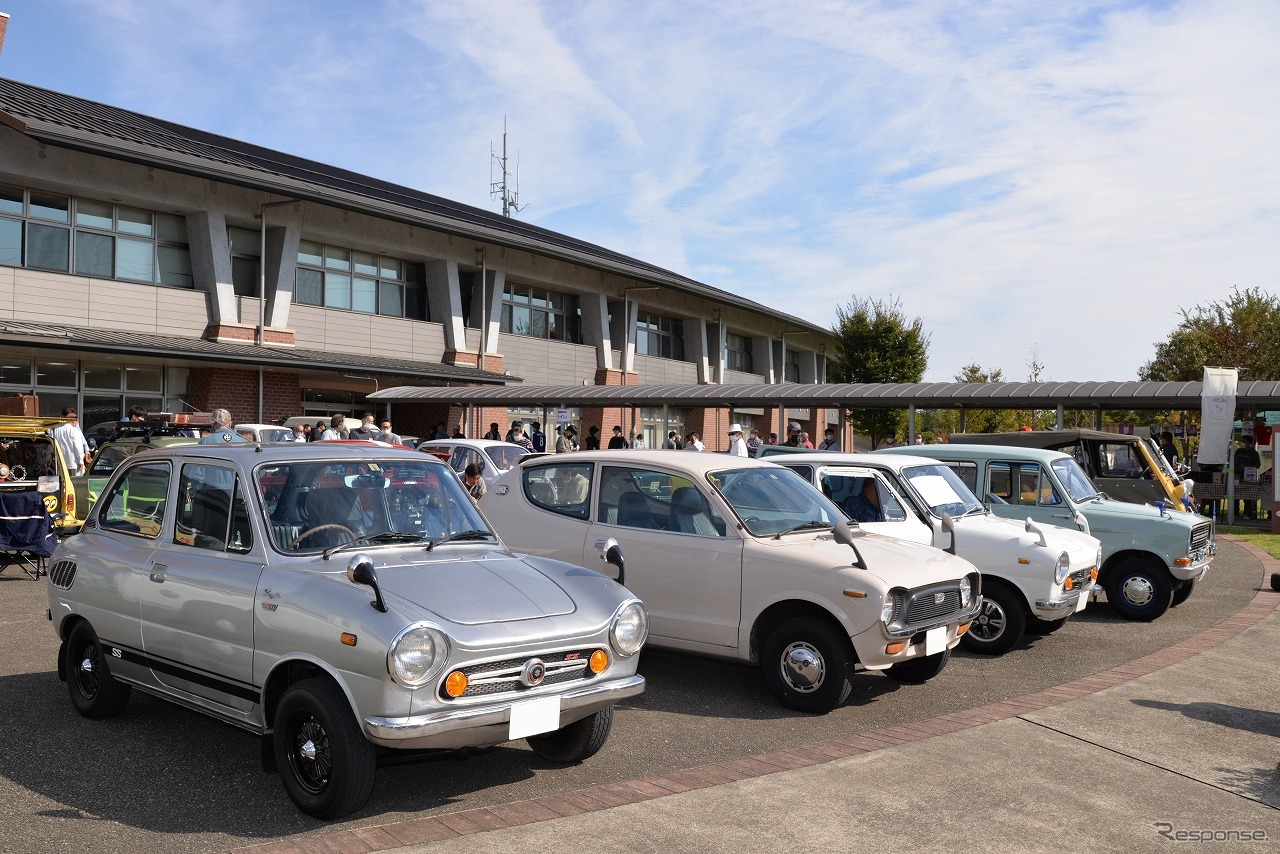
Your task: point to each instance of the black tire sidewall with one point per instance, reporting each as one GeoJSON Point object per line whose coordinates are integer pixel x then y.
{"type": "Point", "coordinates": [111, 696]}
{"type": "Point", "coordinates": [1160, 602]}
{"type": "Point", "coordinates": [1015, 622]}
{"type": "Point", "coordinates": [817, 633]}
{"type": "Point", "coordinates": [575, 742]}
{"type": "Point", "coordinates": [353, 757]}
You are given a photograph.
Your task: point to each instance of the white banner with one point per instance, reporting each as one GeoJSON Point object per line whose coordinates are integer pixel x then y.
{"type": "Point", "coordinates": [1217, 415]}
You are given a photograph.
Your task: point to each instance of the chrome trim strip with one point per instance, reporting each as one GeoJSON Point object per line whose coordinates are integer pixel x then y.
{"type": "Point", "coordinates": [957, 617]}
{"type": "Point", "coordinates": [1067, 601]}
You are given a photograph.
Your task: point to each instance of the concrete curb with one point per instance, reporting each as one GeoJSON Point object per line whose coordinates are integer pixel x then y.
{"type": "Point", "coordinates": [595, 798]}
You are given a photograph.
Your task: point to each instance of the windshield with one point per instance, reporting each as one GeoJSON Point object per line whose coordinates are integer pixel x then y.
{"type": "Point", "coordinates": [941, 490]}
{"type": "Point", "coordinates": [275, 434]}
{"type": "Point", "coordinates": [313, 506]}
{"type": "Point", "coordinates": [774, 500]}
{"type": "Point", "coordinates": [1074, 480]}
{"type": "Point", "coordinates": [504, 457]}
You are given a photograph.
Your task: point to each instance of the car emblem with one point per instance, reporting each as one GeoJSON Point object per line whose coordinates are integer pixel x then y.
{"type": "Point", "coordinates": [533, 672]}
{"type": "Point", "coordinates": [503, 490]}
{"type": "Point", "coordinates": [939, 598]}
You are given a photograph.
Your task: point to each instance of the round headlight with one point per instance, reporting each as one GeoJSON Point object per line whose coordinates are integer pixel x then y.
{"type": "Point", "coordinates": [630, 628]}
{"type": "Point", "coordinates": [966, 592]}
{"type": "Point", "coordinates": [1063, 568]}
{"type": "Point", "coordinates": [417, 655]}
{"type": "Point", "coordinates": [889, 608]}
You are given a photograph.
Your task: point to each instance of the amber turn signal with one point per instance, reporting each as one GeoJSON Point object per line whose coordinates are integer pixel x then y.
{"type": "Point", "coordinates": [962, 628]}
{"type": "Point", "coordinates": [1182, 561]}
{"type": "Point", "coordinates": [456, 684]}
{"type": "Point", "coordinates": [1068, 584]}
{"type": "Point", "coordinates": [1093, 574]}
{"type": "Point", "coordinates": [895, 648]}
{"type": "Point", "coordinates": [347, 639]}
{"type": "Point", "coordinates": [599, 661]}
{"type": "Point", "coordinates": [1025, 561]}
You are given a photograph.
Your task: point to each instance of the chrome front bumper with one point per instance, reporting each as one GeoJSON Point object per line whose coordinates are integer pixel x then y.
{"type": "Point", "coordinates": [1067, 602]}
{"type": "Point", "coordinates": [957, 617]}
{"type": "Point", "coordinates": [1200, 560]}
{"type": "Point", "coordinates": [451, 727]}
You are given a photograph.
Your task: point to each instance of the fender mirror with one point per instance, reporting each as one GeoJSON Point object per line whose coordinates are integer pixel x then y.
{"type": "Point", "coordinates": [360, 571]}
{"type": "Point", "coordinates": [611, 552]}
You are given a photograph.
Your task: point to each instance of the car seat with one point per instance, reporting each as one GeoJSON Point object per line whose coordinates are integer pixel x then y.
{"type": "Point", "coordinates": [689, 513]}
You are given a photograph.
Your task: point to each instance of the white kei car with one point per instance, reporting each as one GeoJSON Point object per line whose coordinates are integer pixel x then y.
{"type": "Point", "coordinates": [742, 559]}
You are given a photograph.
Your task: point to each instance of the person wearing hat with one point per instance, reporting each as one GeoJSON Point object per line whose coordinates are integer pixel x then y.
{"type": "Point", "coordinates": [618, 441]}
{"type": "Point", "coordinates": [538, 438]}
{"type": "Point", "coordinates": [737, 445]}
{"type": "Point", "coordinates": [793, 435]}
{"type": "Point", "coordinates": [564, 439]}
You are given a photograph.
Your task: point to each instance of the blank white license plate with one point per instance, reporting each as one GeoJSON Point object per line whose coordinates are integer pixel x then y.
{"type": "Point", "coordinates": [1084, 600]}
{"type": "Point", "coordinates": [935, 640]}
{"type": "Point", "coordinates": [533, 717]}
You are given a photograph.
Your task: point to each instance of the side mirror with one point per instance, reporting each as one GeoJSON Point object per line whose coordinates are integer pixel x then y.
{"type": "Point", "coordinates": [1032, 528]}
{"type": "Point", "coordinates": [1082, 522]}
{"type": "Point", "coordinates": [949, 527]}
{"type": "Point", "coordinates": [360, 571]}
{"type": "Point", "coordinates": [844, 534]}
{"type": "Point", "coordinates": [611, 552]}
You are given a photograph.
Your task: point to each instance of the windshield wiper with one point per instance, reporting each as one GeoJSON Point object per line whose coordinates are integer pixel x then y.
{"type": "Point", "coordinates": [381, 537]}
{"type": "Point", "coordinates": [811, 525]}
{"type": "Point", "coordinates": [473, 534]}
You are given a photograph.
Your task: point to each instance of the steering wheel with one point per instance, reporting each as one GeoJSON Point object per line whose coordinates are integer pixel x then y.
{"type": "Point", "coordinates": [318, 528]}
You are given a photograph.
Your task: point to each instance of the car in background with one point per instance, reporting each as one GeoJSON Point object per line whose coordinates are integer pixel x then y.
{"type": "Point", "coordinates": [265, 432]}
{"type": "Point", "coordinates": [127, 439]}
{"type": "Point", "coordinates": [742, 559]}
{"type": "Point", "coordinates": [341, 601]}
{"type": "Point", "coordinates": [1151, 557]}
{"type": "Point", "coordinates": [494, 458]}
{"type": "Point", "coordinates": [31, 461]}
{"type": "Point", "coordinates": [1034, 576]}
{"type": "Point", "coordinates": [1126, 467]}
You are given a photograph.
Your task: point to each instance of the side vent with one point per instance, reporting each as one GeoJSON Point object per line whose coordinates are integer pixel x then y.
{"type": "Point", "coordinates": [62, 574]}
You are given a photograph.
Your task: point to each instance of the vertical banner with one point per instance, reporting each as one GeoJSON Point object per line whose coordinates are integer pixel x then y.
{"type": "Point", "coordinates": [1217, 415]}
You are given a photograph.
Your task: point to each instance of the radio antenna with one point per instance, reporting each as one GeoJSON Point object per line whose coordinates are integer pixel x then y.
{"type": "Point", "coordinates": [505, 188]}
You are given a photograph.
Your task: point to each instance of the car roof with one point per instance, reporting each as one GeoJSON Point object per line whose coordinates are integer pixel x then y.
{"type": "Point", "coordinates": [897, 462]}
{"type": "Point", "coordinates": [1044, 438]}
{"type": "Point", "coordinates": [252, 452]}
{"type": "Point", "coordinates": [699, 463]}
{"type": "Point", "coordinates": [470, 443]}
{"type": "Point", "coordinates": [1001, 451]}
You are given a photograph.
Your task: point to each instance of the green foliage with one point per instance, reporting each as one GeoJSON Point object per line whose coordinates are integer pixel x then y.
{"type": "Point", "coordinates": [1242, 332]}
{"type": "Point", "coordinates": [875, 343]}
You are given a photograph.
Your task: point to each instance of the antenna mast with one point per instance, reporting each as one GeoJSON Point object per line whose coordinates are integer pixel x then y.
{"type": "Point", "coordinates": [503, 188]}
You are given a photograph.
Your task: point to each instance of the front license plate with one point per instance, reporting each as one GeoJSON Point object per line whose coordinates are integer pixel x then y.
{"type": "Point", "coordinates": [1081, 602]}
{"type": "Point", "coordinates": [533, 717]}
{"type": "Point", "coordinates": [935, 640]}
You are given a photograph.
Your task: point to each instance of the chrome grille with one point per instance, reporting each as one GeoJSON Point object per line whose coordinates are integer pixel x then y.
{"type": "Point", "coordinates": [922, 606]}
{"type": "Point", "coordinates": [1200, 535]}
{"type": "Point", "coordinates": [501, 677]}
{"type": "Point", "coordinates": [1082, 579]}
{"type": "Point", "coordinates": [62, 574]}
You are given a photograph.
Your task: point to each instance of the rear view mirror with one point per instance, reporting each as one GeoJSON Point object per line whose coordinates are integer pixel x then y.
{"type": "Point", "coordinates": [949, 527]}
{"type": "Point", "coordinates": [844, 534]}
{"type": "Point", "coordinates": [611, 552]}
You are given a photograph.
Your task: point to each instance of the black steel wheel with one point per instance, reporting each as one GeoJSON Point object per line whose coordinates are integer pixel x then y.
{"type": "Point", "coordinates": [573, 743]}
{"type": "Point", "coordinates": [325, 762]}
{"type": "Point", "coordinates": [94, 692]}
{"type": "Point", "coordinates": [808, 664]}
{"type": "Point", "coordinates": [1000, 623]}
{"type": "Point", "coordinates": [1139, 589]}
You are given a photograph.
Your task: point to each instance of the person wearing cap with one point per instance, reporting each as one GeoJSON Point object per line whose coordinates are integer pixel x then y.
{"type": "Point", "coordinates": [618, 441]}
{"type": "Point", "coordinates": [538, 438]}
{"type": "Point", "coordinates": [737, 445]}
{"type": "Point", "coordinates": [793, 435]}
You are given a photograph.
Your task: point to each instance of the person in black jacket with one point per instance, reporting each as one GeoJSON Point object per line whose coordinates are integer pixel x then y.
{"type": "Point", "coordinates": [1247, 457]}
{"type": "Point", "coordinates": [618, 440]}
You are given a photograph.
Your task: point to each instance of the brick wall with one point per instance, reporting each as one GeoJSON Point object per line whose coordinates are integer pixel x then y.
{"type": "Point", "coordinates": [237, 391]}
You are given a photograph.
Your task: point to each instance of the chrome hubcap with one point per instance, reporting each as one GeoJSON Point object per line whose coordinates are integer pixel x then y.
{"type": "Point", "coordinates": [308, 749]}
{"type": "Point", "coordinates": [802, 667]}
{"type": "Point", "coordinates": [990, 623]}
{"type": "Point", "coordinates": [1138, 591]}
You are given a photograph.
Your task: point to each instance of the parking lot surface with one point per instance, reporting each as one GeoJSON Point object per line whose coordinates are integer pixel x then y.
{"type": "Point", "coordinates": [163, 779]}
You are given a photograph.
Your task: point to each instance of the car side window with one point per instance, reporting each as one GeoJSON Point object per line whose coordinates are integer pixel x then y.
{"type": "Point", "coordinates": [211, 510]}
{"type": "Point", "coordinates": [968, 473]}
{"type": "Point", "coordinates": [1045, 495]}
{"type": "Point", "coordinates": [107, 461]}
{"type": "Point", "coordinates": [563, 489]}
{"type": "Point", "coordinates": [642, 498]}
{"type": "Point", "coordinates": [862, 496]}
{"type": "Point", "coordinates": [136, 504]}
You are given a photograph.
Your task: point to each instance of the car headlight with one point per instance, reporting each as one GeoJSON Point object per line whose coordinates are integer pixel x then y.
{"type": "Point", "coordinates": [1063, 569]}
{"type": "Point", "coordinates": [966, 592]}
{"type": "Point", "coordinates": [417, 655]}
{"type": "Point", "coordinates": [889, 608]}
{"type": "Point", "coordinates": [630, 628]}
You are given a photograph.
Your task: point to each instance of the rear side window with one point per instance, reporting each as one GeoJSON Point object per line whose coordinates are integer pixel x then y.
{"type": "Point", "coordinates": [136, 503]}
{"type": "Point", "coordinates": [211, 510]}
{"type": "Point", "coordinates": [968, 474]}
{"type": "Point", "coordinates": [563, 489]}
{"type": "Point", "coordinates": [1021, 483]}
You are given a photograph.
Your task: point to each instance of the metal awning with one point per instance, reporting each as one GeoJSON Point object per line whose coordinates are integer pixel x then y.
{"type": "Point", "coordinates": [1048, 395]}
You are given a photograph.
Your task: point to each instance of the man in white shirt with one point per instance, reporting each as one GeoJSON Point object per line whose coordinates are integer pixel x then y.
{"type": "Point", "coordinates": [75, 450]}
{"type": "Point", "coordinates": [737, 445]}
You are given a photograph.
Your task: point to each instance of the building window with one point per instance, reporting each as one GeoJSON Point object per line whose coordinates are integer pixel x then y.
{"type": "Point", "coordinates": [792, 366]}
{"type": "Point", "coordinates": [539, 313]}
{"type": "Point", "coordinates": [91, 238]}
{"type": "Point", "coordinates": [659, 336]}
{"type": "Point", "coordinates": [335, 277]}
{"type": "Point", "coordinates": [246, 258]}
{"type": "Point", "coordinates": [737, 356]}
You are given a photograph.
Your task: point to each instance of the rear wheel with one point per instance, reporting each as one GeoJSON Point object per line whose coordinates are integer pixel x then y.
{"type": "Point", "coordinates": [919, 670]}
{"type": "Point", "coordinates": [808, 665]}
{"type": "Point", "coordinates": [1139, 589]}
{"type": "Point", "coordinates": [94, 692]}
{"type": "Point", "coordinates": [325, 762]}
{"type": "Point", "coordinates": [578, 741]}
{"type": "Point", "coordinates": [1000, 624]}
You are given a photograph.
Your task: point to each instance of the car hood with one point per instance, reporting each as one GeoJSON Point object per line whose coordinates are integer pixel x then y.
{"type": "Point", "coordinates": [1106, 514]}
{"type": "Point", "coordinates": [898, 563]}
{"type": "Point", "coordinates": [471, 591]}
{"type": "Point", "coordinates": [993, 532]}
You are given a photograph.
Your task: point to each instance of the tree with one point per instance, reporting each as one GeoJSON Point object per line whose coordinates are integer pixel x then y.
{"type": "Point", "coordinates": [1242, 331]}
{"type": "Point", "coordinates": [976, 420]}
{"type": "Point", "coordinates": [875, 343]}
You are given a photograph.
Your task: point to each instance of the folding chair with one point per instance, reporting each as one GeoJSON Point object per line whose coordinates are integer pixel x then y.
{"type": "Point", "coordinates": [26, 533]}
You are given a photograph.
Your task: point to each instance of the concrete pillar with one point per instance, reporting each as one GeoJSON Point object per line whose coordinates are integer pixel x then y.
{"type": "Point", "coordinates": [281, 264]}
{"type": "Point", "coordinates": [696, 350]}
{"type": "Point", "coordinates": [444, 298]}
{"type": "Point", "coordinates": [211, 263]}
{"type": "Point", "coordinates": [595, 328]}
{"type": "Point", "coordinates": [762, 357]}
{"type": "Point", "coordinates": [629, 336]}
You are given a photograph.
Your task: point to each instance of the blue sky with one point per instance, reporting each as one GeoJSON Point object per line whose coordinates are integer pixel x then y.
{"type": "Point", "coordinates": [1058, 178]}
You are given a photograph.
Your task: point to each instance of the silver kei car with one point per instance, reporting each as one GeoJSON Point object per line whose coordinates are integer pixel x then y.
{"type": "Point", "coordinates": [338, 601]}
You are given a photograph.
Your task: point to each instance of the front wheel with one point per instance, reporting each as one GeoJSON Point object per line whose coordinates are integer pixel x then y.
{"type": "Point", "coordinates": [808, 665]}
{"type": "Point", "coordinates": [1000, 624]}
{"type": "Point", "coordinates": [1183, 593]}
{"type": "Point", "coordinates": [325, 762]}
{"type": "Point", "coordinates": [919, 670]}
{"type": "Point", "coordinates": [94, 692]}
{"type": "Point", "coordinates": [1139, 590]}
{"type": "Point", "coordinates": [573, 743]}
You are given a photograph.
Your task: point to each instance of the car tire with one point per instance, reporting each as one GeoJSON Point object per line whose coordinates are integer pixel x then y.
{"type": "Point", "coordinates": [1000, 622]}
{"type": "Point", "coordinates": [1046, 627]}
{"type": "Point", "coordinates": [1275, 581]}
{"type": "Point", "coordinates": [1139, 589]}
{"type": "Point", "coordinates": [573, 743]}
{"type": "Point", "coordinates": [325, 762]}
{"type": "Point", "coordinates": [919, 670]}
{"type": "Point", "coordinates": [94, 692]}
{"type": "Point", "coordinates": [808, 664]}
{"type": "Point", "coordinates": [1183, 593]}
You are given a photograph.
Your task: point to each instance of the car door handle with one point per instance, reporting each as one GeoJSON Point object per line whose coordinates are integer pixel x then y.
{"type": "Point", "coordinates": [1063, 516]}
{"type": "Point", "coordinates": [158, 572]}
